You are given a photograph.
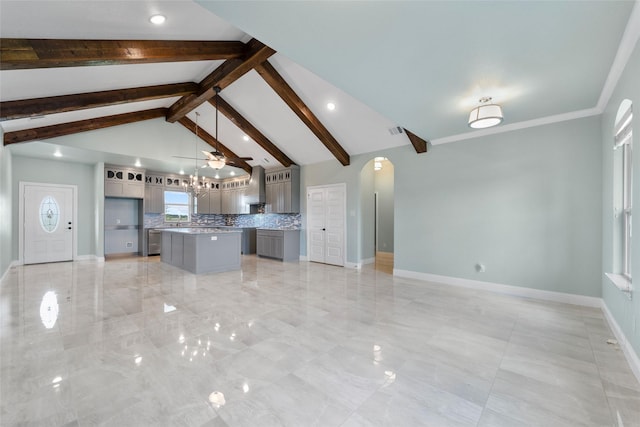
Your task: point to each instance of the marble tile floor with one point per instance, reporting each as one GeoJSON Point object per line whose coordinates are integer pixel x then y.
{"type": "Point", "coordinates": [135, 342]}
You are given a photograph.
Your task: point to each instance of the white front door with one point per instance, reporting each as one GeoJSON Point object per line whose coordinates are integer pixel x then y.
{"type": "Point", "coordinates": [326, 207]}
{"type": "Point", "coordinates": [47, 223]}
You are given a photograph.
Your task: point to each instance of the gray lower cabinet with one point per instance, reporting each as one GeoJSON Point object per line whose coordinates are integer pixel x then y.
{"type": "Point", "coordinates": [279, 244]}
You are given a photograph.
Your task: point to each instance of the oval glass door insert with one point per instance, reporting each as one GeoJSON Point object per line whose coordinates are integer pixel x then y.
{"type": "Point", "coordinates": [49, 214]}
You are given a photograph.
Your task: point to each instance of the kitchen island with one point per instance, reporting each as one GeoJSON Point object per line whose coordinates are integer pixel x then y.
{"type": "Point", "coordinates": [202, 250]}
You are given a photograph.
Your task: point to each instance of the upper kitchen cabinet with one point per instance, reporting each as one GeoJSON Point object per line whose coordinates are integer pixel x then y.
{"type": "Point", "coordinates": [283, 190]}
{"type": "Point", "coordinates": [154, 193]}
{"type": "Point", "coordinates": [209, 200]}
{"type": "Point", "coordinates": [123, 182]}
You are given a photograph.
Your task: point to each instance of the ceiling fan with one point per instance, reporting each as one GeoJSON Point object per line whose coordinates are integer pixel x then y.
{"type": "Point", "coordinates": [216, 159]}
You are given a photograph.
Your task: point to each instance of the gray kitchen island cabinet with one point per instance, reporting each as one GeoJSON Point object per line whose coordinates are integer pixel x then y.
{"type": "Point", "coordinates": [202, 250]}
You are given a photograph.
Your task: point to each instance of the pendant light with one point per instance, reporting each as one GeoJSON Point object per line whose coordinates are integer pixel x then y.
{"type": "Point", "coordinates": [486, 114]}
{"type": "Point", "coordinates": [196, 185]}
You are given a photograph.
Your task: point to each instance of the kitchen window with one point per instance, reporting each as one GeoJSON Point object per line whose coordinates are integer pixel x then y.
{"type": "Point", "coordinates": [176, 206]}
{"type": "Point", "coordinates": [622, 197]}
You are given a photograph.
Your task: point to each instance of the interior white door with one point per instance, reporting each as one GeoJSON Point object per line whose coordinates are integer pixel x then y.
{"type": "Point", "coordinates": [48, 224]}
{"type": "Point", "coordinates": [326, 207]}
{"type": "Point", "coordinates": [335, 220]}
{"type": "Point", "coordinates": [316, 226]}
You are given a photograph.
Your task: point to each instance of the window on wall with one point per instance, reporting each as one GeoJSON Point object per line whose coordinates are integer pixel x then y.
{"type": "Point", "coordinates": [176, 206]}
{"type": "Point", "coordinates": [623, 201]}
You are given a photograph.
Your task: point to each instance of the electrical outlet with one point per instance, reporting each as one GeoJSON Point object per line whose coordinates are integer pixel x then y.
{"type": "Point", "coordinates": [129, 244]}
{"type": "Point", "coordinates": [214, 237]}
{"type": "Point", "coordinates": [117, 221]}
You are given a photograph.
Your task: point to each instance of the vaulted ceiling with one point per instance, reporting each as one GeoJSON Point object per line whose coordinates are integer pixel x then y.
{"type": "Point", "coordinates": [420, 66]}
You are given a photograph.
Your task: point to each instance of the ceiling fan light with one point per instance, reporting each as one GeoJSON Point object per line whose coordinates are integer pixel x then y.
{"type": "Point", "coordinates": [485, 115]}
{"type": "Point", "coordinates": [216, 164]}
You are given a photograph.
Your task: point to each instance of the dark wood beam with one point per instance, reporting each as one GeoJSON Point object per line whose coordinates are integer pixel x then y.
{"type": "Point", "coordinates": [19, 54]}
{"type": "Point", "coordinates": [227, 73]}
{"type": "Point", "coordinates": [282, 88]}
{"type": "Point", "coordinates": [206, 137]}
{"type": "Point", "coordinates": [10, 110]}
{"type": "Point", "coordinates": [251, 131]}
{"type": "Point", "coordinates": [419, 144]}
{"type": "Point", "coordinates": [70, 128]}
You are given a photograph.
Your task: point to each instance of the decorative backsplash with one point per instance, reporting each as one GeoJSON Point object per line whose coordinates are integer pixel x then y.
{"type": "Point", "coordinates": [292, 221]}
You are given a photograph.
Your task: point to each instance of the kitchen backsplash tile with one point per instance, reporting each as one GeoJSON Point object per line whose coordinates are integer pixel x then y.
{"type": "Point", "coordinates": [258, 220]}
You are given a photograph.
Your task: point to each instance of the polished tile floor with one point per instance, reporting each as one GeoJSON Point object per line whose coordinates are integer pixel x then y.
{"type": "Point", "coordinates": [134, 342]}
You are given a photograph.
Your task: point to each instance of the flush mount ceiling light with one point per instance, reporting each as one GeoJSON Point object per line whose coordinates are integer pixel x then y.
{"type": "Point", "coordinates": [331, 106]}
{"type": "Point", "coordinates": [486, 114]}
{"type": "Point", "coordinates": [157, 19]}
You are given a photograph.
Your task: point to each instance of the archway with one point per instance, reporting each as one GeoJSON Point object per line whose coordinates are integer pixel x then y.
{"type": "Point", "coordinates": [377, 214]}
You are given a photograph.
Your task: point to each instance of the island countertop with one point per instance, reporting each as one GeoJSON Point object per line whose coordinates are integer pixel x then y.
{"type": "Point", "coordinates": [201, 230]}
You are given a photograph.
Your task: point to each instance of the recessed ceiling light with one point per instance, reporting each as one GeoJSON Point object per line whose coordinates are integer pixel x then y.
{"type": "Point", "coordinates": [331, 106]}
{"type": "Point", "coordinates": [138, 164]}
{"type": "Point", "coordinates": [246, 138]}
{"type": "Point", "coordinates": [158, 19]}
{"type": "Point", "coordinates": [57, 153]}
{"type": "Point", "coordinates": [232, 173]}
{"type": "Point", "coordinates": [217, 176]}
{"type": "Point", "coordinates": [181, 171]}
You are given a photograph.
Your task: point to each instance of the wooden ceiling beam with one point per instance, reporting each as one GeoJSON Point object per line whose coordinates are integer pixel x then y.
{"type": "Point", "coordinates": [419, 144]}
{"type": "Point", "coordinates": [19, 109]}
{"type": "Point", "coordinates": [227, 73]}
{"type": "Point", "coordinates": [288, 95]}
{"type": "Point", "coordinates": [70, 128]}
{"type": "Point", "coordinates": [206, 137]}
{"type": "Point", "coordinates": [20, 54]}
{"type": "Point", "coordinates": [251, 131]}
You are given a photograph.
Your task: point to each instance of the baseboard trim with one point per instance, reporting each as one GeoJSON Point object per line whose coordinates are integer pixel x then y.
{"type": "Point", "coordinates": [304, 258]}
{"type": "Point", "coordinates": [368, 261]}
{"type": "Point", "coordinates": [625, 345]}
{"type": "Point", "coordinates": [354, 265]}
{"type": "Point", "coordinates": [503, 289]}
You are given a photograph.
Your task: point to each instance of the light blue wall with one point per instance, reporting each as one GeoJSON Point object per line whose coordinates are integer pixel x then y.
{"type": "Point", "coordinates": [384, 187]}
{"type": "Point", "coordinates": [524, 203]}
{"type": "Point", "coordinates": [29, 169]}
{"type": "Point", "coordinates": [6, 254]}
{"type": "Point", "coordinates": [625, 311]}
